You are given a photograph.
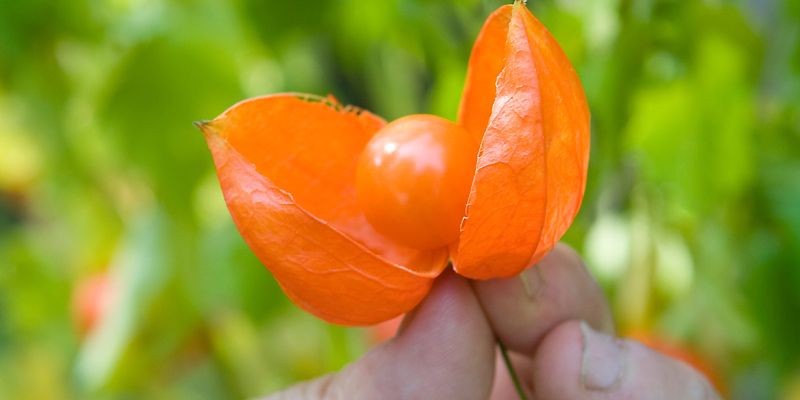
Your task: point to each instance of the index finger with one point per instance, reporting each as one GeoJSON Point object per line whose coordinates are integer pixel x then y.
{"type": "Point", "coordinates": [522, 309]}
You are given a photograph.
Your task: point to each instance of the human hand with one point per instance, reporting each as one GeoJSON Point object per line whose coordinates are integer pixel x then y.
{"type": "Point", "coordinates": [554, 320]}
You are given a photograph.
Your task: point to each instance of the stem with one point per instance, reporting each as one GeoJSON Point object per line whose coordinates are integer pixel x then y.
{"type": "Point", "coordinates": [511, 371]}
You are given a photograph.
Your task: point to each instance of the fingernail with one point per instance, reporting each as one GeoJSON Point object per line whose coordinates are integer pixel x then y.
{"type": "Point", "coordinates": [531, 281]}
{"type": "Point", "coordinates": [604, 359]}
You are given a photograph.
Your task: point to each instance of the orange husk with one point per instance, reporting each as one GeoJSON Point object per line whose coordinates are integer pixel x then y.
{"type": "Point", "coordinates": [531, 170]}
{"type": "Point", "coordinates": [286, 166]}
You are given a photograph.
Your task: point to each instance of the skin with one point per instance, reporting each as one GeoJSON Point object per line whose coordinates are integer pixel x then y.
{"type": "Point", "coordinates": [553, 318]}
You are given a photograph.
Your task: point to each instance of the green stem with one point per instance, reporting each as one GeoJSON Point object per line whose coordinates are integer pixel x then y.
{"type": "Point", "coordinates": [511, 371]}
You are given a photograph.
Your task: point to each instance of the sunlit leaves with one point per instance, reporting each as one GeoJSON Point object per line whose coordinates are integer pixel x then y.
{"type": "Point", "coordinates": [706, 121]}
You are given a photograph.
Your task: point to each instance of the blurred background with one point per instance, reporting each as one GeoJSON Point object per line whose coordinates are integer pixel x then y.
{"type": "Point", "coordinates": [122, 275]}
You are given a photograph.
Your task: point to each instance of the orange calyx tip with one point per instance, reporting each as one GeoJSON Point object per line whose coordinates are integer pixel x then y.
{"type": "Point", "coordinates": [201, 124]}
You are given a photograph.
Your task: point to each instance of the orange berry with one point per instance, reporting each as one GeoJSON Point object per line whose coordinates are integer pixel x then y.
{"type": "Point", "coordinates": [414, 178]}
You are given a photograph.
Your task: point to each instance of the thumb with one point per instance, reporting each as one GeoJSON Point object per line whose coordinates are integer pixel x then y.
{"type": "Point", "coordinates": [576, 362]}
{"type": "Point", "coordinates": [445, 350]}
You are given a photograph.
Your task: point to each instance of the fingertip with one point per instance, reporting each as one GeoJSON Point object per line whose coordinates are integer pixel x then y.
{"type": "Point", "coordinates": [450, 303]}
{"type": "Point", "coordinates": [522, 309]}
{"type": "Point", "coordinates": [575, 361]}
{"type": "Point", "coordinates": [556, 365]}
{"type": "Point", "coordinates": [445, 349]}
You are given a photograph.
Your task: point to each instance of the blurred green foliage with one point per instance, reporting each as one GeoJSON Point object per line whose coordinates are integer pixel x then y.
{"type": "Point", "coordinates": [691, 219]}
